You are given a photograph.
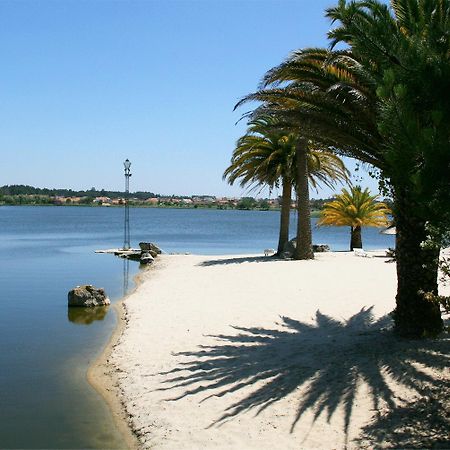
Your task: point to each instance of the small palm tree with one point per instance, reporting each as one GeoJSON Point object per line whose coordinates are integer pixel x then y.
{"type": "Point", "coordinates": [355, 208]}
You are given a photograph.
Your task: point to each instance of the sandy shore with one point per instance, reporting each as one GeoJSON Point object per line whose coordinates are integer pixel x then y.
{"type": "Point", "coordinates": [103, 377]}
{"type": "Point", "coordinates": [251, 352]}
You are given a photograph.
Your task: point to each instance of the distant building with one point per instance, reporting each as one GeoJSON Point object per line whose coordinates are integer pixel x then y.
{"type": "Point", "coordinates": [222, 201]}
{"type": "Point", "coordinates": [102, 200]}
{"type": "Point", "coordinates": [59, 200]}
{"type": "Point", "coordinates": [203, 199]}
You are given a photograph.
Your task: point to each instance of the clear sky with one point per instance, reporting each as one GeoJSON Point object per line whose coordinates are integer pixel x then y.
{"type": "Point", "coordinates": [86, 84]}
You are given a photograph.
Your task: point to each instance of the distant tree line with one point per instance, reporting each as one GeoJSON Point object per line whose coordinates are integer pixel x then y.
{"type": "Point", "coordinates": [29, 195]}
{"type": "Point", "coordinates": [20, 189]}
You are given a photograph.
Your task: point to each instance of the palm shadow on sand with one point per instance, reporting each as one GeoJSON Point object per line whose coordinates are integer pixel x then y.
{"type": "Point", "coordinates": [428, 417]}
{"type": "Point", "coordinates": [240, 260]}
{"type": "Point", "coordinates": [329, 358]}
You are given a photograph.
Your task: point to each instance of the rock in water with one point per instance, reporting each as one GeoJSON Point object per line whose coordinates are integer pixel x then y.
{"type": "Point", "coordinates": [149, 247]}
{"type": "Point", "coordinates": [87, 296]}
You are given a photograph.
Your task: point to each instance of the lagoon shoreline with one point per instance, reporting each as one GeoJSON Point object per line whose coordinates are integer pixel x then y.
{"type": "Point", "coordinates": [177, 373]}
{"type": "Point", "coordinates": [103, 378]}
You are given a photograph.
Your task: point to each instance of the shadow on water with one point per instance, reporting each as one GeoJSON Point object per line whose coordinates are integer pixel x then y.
{"type": "Point", "coordinates": [240, 260]}
{"type": "Point", "coordinates": [86, 316]}
{"type": "Point", "coordinates": [329, 358]}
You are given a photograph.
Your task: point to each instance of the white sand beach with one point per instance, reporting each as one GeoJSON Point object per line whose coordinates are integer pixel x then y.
{"type": "Point", "coordinates": [248, 352]}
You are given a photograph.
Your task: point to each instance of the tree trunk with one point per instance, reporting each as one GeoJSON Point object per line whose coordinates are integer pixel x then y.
{"type": "Point", "coordinates": [304, 236]}
{"type": "Point", "coordinates": [417, 270]}
{"type": "Point", "coordinates": [356, 239]}
{"type": "Point", "coordinates": [285, 215]}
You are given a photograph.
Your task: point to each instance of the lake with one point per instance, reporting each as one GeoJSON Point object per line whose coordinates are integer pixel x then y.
{"type": "Point", "coordinates": [46, 401]}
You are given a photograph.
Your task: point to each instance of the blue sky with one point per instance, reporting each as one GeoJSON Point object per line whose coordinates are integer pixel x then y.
{"type": "Point", "coordinates": [85, 84]}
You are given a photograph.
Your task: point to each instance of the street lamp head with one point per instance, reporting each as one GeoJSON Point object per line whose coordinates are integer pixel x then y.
{"type": "Point", "coordinates": [127, 164]}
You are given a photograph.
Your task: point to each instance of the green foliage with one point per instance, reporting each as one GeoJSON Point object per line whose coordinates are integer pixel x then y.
{"type": "Point", "coordinates": [265, 155]}
{"type": "Point", "coordinates": [246, 203]}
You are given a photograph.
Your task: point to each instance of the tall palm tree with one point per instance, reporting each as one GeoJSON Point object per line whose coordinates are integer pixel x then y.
{"type": "Point", "coordinates": [382, 101]}
{"type": "Point", "coordinates": [355, 208]}
{"type": "Point", "coordinates": [305, 104]}
{"type": "Point", "coordinates": [266, 155]}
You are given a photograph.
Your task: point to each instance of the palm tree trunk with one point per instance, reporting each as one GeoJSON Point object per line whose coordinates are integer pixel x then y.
{"type": "Point", "coordinates": [417, 271]}
{"type": "Point", "coordinates": [356, 238]}
{"type": "Point", "coordinates": [304, 236]}
{"type": "Point", "coordinates": [285, 215]}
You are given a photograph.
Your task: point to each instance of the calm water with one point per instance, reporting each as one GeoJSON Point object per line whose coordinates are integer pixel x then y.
{"type": "Point", "coordinates": [46, 401]}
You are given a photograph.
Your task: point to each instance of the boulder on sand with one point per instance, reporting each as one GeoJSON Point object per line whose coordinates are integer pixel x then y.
{"type": "Point", "coordinates": [146, 258]}
{"type": "Point", "coordinates": [87, 296]}
{"type": "Point", "coordinates": [289, 248]}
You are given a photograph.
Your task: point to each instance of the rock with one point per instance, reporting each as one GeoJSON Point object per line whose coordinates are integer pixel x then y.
{"type": "Point", "coordinates": [88, 296]}
{"type": "Point", "coordinates": [146, 258]}
{"type": "Point", "coordinates": [289, 248]}
{"type": "Point", "coordinates": [320, 248]}
{"type": "Point", "coordinates": [149, 246]}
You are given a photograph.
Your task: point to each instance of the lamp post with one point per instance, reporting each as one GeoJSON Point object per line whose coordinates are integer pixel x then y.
{"type": "Point", "coordinates": [126, 240]}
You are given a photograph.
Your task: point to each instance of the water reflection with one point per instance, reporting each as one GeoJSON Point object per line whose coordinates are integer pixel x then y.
{"type": "Point", "coordinates": [86, 316]}
{"type": "Point", "coordinates": [126, 275]}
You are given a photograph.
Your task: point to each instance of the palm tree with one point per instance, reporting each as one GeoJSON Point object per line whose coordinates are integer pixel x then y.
{"type": "Point", "coordinates": [406, 50]}
{"type": "Point", "coordinates": [266, 155]}
{"type": "Point", "coordinates": [355, 208]}
{"type": "Point", "coordinates": [263, 156]}
{"type": "Point", "coordinates": [382, 101]}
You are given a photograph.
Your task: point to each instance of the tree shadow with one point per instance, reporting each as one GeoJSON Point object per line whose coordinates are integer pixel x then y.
{"type": "Point", "coordinates": [328, 359]}
{"type": "Point", "coordinates": [240, 260]}
{"type": "Point", "coordinates": [428, 417]}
